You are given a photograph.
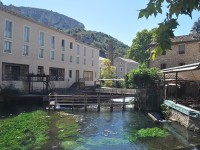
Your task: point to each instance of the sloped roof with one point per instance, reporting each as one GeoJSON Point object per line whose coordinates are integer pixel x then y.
{"type": "Point", "coordinates": [189, 72]}
{"type": "Point", "coordinates": [128, 60]}
{"type": "Point", "coordinates": [182, 39]}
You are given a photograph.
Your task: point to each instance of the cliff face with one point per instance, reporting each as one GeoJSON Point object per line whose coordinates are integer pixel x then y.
{"type": "Point", "coordinates": [49, 18]}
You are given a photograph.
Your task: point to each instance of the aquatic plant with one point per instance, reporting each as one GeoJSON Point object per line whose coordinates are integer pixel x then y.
{"type": "Point", "coordinates": [68, 131]}
{"type": "Point", "coordinates": [152, 132]}
{"type": "Point", "coordinates": [25, 131]}
{"type": "Point", "coordinates": [148, 132]}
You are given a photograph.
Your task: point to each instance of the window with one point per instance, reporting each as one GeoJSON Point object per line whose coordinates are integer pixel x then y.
{"type": "Point", "coordinates": [25, 50]}
{"type": "Point", "coordinates": [92, 53]}
{"type": "Point", "coordinates": [88, 75]}
{"type": "Point", "coordinates": [41, 53]}
{"type": "Point", "coordinates": [84, 61]}
{"type": "Point", "coordinates": [77, 60]}
{"type": "Point", "coordinates": [163, 66]}
{"type": "Point", "coordinates": [78, 49]}
{"type": "Point", "coordinates": [26, 34]}
{"type": "Point", "coordinates": [84, 51]}
{"type": "Point", "coordinates": [63, 45]}
{"type": "Point", "coordinates": [70, 59]}
{"type": "Point", "coordinates": [71, 45]}
{"type": "Point", "coordinates": [181, 64]}
{"type": "Point", "coordinates": [181, 49]}
{"type": "Point", "coordinates": [52, 55]}
{"type": "Point", "coordinates": [57, 74]}
{"type": "Point", "coordinates": [62, 57]}
{"type": "Point", "coordinates": [40, 70]}
{"type": "Point", "coordinates": [7, 47]}
{"type": "Point", "coordinates": [121, 69]}
{"type": "Point", "coordinates": [53, 40]}
{"type": "Point", "coordinates": [92, 62]}
{"type": "Point", "coordinates": [8, 29]}
{"type": "Point", "coordinates": [41, 38]}
{"type": "Point", "coordinates": [70, 73]}
{"type": "Point", "coordinates": [15, 72]}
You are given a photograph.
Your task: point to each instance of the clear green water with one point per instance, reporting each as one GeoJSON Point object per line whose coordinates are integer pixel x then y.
{"type": "Point", "coordinates": [119, 131]}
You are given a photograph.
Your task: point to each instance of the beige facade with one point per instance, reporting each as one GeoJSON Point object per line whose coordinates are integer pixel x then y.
{"type": "Point", "coordinates": [184, 50]}
{"type": "Point", "coordinates": [123, 66]}
{"type": "Point", "coordinates": [30, 47]}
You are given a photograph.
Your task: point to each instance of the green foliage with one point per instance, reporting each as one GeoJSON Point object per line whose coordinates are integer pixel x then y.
{"type": "Point", "coordinates": [9, 90]}
{"type": "Point", "coordinates": [152, 132]}
{"type": "Point", "coordinates": [165, 111]}
{"type": "Point", "coordinates": [139, 48]}
{"type": "Point", "coordinates": [99, 40]}
{"type": "Point", "coordinates": [141, 77]}
{"type": "Point", "coordinates": [68, 131]}
{"type": "Point", "coordinates": [165, 30]}
{"type": "Point", "coordinates": [25, 131]}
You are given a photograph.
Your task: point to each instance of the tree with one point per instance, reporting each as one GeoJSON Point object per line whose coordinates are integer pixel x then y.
{"type": "Point", "coordinates": [165, 31]}
{"type": "Point", "coordinates": [141, 77]}
{"type": "Point", "coordinates": [139, 50]}
{"type": "Point", "coordinates": [196, 25]}
{"type": "Point", "coordinates": [107, 72]}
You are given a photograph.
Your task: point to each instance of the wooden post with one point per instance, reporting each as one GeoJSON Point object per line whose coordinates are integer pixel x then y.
{"type": "Point", "coordinates": [111, 105]}
{"type": "Point", "coordinates": [164, 88]}
{"type": "Point", "coordinates": [72, 103]}
{"type": "Point", "coordinates": [85, 101]}
{"type": "Point", "coordinates": [124, 105]}
{"type": "Point", "coordinates": [176, 86]}
{"type": "Point", "coordinates": [98, 106]}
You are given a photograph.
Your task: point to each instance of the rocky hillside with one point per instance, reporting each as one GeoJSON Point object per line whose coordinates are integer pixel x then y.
{"type": "Point", "coordinates": [49, 18]}
{"type": "Point", "coordinates": [100, 40]}
{"type": "Point", "coordinates": [74, 28]}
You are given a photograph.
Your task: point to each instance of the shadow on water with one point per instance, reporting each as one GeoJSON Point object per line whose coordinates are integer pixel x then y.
{"type": "Point", "coordinates": [16, 107]}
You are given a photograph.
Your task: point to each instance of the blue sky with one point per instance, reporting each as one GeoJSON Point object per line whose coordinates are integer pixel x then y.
{"type": "Point", "coordinates": [114, 17]}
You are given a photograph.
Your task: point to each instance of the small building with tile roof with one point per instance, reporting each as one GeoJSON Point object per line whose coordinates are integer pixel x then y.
{"type": "Point", "coordinates": [185, 50]}
{"type": "Point", "coordinates": [123, 66]}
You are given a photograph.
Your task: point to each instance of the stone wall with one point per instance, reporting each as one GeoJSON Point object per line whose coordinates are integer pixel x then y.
{"type": "Point", "coordinates": [190, 123]}
{"type": "Point", "coordinates": [173, 58]}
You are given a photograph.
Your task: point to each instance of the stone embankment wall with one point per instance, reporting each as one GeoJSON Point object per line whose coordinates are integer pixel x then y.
{"type": "Point", "coordinates": [189, 122]}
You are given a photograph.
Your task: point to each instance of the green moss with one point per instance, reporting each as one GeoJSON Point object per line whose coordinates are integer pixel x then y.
{"type": "Point", "coordinates": [152, 132]}
{"type": "Point", "coordinates": [148, 132]}
{"type": "Point", "coordinates": [68, 128]}
{"type": "Point", "coordinates": [25, 131]}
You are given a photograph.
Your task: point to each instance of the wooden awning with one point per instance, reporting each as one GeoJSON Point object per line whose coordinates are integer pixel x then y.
{"type": "Point", "coordinates": [189, 72]}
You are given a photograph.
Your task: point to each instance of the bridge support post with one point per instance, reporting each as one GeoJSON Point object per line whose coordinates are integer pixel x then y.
{"type": "Point", "coordinates": [98, 106]}
{"type": "Point", "coordinates": [124, 105]}
{"type": "Point", "coordinates": [72, 103]}
{"type": "Point", "coordinates": [111, 103]}
{"type": "Point", "coordinates": [85, 101]}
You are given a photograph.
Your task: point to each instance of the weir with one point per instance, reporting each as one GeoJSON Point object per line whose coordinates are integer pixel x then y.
{"type": "Point", "coordinates": [86, 101]}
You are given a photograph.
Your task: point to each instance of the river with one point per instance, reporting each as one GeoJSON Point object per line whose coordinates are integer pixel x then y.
{"type": "Point", "coordinates": [117, 130]}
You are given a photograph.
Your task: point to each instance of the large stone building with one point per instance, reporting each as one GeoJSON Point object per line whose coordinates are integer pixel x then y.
{"type": "Point", "coordinates": [185, 50]}
{"type": "Point", "coordinates": [29, 47]}
{"type": "Point", "coordinates": [123, 66]}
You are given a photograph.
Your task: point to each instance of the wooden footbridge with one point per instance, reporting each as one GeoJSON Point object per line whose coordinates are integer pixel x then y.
{"type": "Point", "coordinates": [85, 101]}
